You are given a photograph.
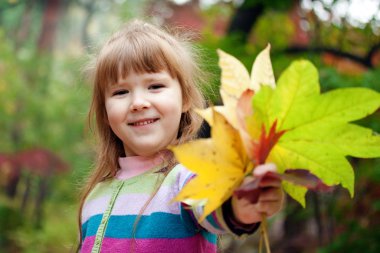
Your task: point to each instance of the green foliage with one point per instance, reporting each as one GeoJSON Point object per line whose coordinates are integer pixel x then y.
{"type": "Point", "coordinates": [10, 220]}
{"type": "Point", "coordinates": [34, 100]}
{"type": "Point", "coordinates": [44, 103]}
{"type": "Point", "coordinates": [6, 5]}
{"type": "Point", "coordinates": [330, 78]}
{"type": "Point", "coordinates": [355, 239]}
{"type": "Point", "coordinates": [274, 4]}
{"type": "Point", "coordinates": [129, 9]}
{"type": "Point", "coordinates": [275, 28]}
{"type": "Point", "coordinates": [59, 233]}
{"type": "Point", "coordinates": [369, 169]}
{"type": "Point", "coordinates": [10, 87]}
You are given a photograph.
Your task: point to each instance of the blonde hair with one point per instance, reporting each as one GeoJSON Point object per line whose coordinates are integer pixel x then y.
{"type": "Point", "coordinates": [140, 47]}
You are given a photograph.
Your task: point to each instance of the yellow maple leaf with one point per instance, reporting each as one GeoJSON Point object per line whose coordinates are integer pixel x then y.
{"type": "Point", "coordinates": [219, 162]}
{"type": "Point", "coordinates": [235, 80]}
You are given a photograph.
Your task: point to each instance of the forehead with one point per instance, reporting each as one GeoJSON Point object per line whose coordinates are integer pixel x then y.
{"type": "Point", "coordinates": [124, 55]}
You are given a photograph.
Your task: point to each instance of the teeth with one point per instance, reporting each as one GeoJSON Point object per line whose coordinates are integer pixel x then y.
{"type": "Point", "coordinates": [142, 123]}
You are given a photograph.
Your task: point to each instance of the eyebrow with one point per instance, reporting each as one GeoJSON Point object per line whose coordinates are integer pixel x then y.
{"type": "Point", "coordinates": [151, 78]}
{"type": "Point", "coordinates": [155, 79]}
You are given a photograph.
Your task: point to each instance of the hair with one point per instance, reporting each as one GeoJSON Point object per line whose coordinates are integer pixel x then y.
{"type": "Point", "coordinates": [143, 48]}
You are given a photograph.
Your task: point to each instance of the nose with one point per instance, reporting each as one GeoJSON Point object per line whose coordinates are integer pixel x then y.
{"type": "Point", "coordinates": [139, 102]}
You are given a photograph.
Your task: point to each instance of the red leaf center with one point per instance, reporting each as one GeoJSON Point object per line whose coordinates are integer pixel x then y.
{"type": "Point", "coordinates": [266, 143]}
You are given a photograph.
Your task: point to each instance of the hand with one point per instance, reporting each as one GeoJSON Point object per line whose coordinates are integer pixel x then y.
{"type": "Point", "coordinates": [270, 199]}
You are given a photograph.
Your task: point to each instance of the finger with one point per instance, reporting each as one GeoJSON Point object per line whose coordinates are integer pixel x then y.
{"type": "Point", "coordinates": [247, 180]}
{"type": "Point", "coordinates": [261, 170]}
{"type": "Point", "coordinates": [270, 202]}
{"type": "Point", "coordinates": [270, 182]}
{"type": "Point", "coordinates": [271, 195]}
{"type": "Point", "coordinates": [268, 208]}
{"type": "Point", "coordinates": [243, 202]}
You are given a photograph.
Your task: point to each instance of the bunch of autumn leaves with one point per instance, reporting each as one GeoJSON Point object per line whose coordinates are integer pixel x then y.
{"type": "Point", "coordinates": [290, 124]}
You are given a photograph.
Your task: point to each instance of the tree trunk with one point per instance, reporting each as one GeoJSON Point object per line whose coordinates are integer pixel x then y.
{"type": "Point", "coordinates": [244, 19]}
{"type": "Point", "coordinates": [49, 25]}
{"type": "Point", "coordinates": [41, 195]}
{"type": "Point", "coordinates": [25, 196]}
{"type": "Point", "coordinates": [51, 16]}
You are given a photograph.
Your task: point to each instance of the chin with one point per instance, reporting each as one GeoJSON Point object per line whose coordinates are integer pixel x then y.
{"type": "Point", "coordinates": [147, 151]}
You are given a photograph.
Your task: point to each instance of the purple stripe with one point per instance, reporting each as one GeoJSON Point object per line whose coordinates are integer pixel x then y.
{"type": "Point", "coordinates": [181, 245]}
{"type": "Point", "coordinates": [216, 220]}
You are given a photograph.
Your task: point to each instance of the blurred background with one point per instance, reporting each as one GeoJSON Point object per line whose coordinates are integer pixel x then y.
{"type": "Point", "coordinates": [46, 149]}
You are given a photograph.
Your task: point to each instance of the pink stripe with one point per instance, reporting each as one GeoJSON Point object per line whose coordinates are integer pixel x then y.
{"type": "Point", "coordinates": [181, 245]}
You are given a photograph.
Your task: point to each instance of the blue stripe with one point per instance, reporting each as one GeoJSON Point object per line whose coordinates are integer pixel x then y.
{"type": "Point", "coordinates": [156, 225]}
{"type": "Point", "coordinates": [84, 231]}
{"type": "Point", "coordinates": [212, 221]}
{"type": "Point", "coordinates": [210, 237]}
{"type": "Point", "coordinates": [188, 219]}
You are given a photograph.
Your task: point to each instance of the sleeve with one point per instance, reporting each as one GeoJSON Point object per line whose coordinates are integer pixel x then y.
{"type": "Point", "coordinates": [220, 221]}
{"type": "Point", "coordinates": [235, 226]}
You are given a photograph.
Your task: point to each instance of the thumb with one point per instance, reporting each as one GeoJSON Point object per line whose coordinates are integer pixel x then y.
{"type": "Point", "coordinates": [262, 169]}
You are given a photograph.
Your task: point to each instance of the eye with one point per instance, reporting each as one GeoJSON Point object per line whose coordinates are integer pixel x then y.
{"type": "Point", "coordinates": [156, 86]}
{"type": "Point", "coordinates": [120, 92]}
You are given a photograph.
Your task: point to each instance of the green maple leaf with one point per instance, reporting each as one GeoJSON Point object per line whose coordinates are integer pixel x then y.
{"type": "Point", "coordinates": [316, 133]}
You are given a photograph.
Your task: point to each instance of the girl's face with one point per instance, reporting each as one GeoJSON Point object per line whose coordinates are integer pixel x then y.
{"type": "Point", "coordinates": [144, 111]}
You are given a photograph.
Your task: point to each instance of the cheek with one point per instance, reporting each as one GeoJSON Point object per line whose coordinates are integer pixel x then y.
{"type": "Point", "coordinates": [176, 117]}
{"type": "Point", "coordinates": [115, 113]}
{"type": "Point", "coordinates": [176, 109]}
{"type": "Point", "coordinates": [178, 101]}
{"type": "Point", "coordinates": [172, 111]}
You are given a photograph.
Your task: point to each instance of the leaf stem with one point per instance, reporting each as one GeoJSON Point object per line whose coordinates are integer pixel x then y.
{"type": "Point", "coordinates": [261, 241]}
{"type": "Point", "coordinates": [264, 233]}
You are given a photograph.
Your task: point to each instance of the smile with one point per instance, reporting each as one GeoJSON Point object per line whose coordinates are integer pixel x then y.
{"type": "Point", "coordinates": [143, 122]}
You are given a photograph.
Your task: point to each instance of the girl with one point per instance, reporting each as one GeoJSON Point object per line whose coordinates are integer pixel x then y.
{"type": "Point", "coordinates": [144, 98]}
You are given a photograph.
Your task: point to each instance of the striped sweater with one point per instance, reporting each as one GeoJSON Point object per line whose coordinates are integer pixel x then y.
{"type": "Point", "coordinates": [164, 226]}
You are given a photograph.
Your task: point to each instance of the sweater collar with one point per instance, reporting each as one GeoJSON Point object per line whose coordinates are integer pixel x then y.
{"type": "Point", "coordinates": [131, 166]}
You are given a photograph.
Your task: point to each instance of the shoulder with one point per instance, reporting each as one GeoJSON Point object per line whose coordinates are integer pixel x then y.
{"type": "Point", "coordinates": [101, 188]}
{"type": "Point", "coordinates": [179, 176]}
{"type": "Point", "coordinates": [180, 169]}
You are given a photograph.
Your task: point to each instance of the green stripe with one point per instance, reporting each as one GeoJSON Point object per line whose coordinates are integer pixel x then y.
{"type": "Point", "coordinates": [144, 183]}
